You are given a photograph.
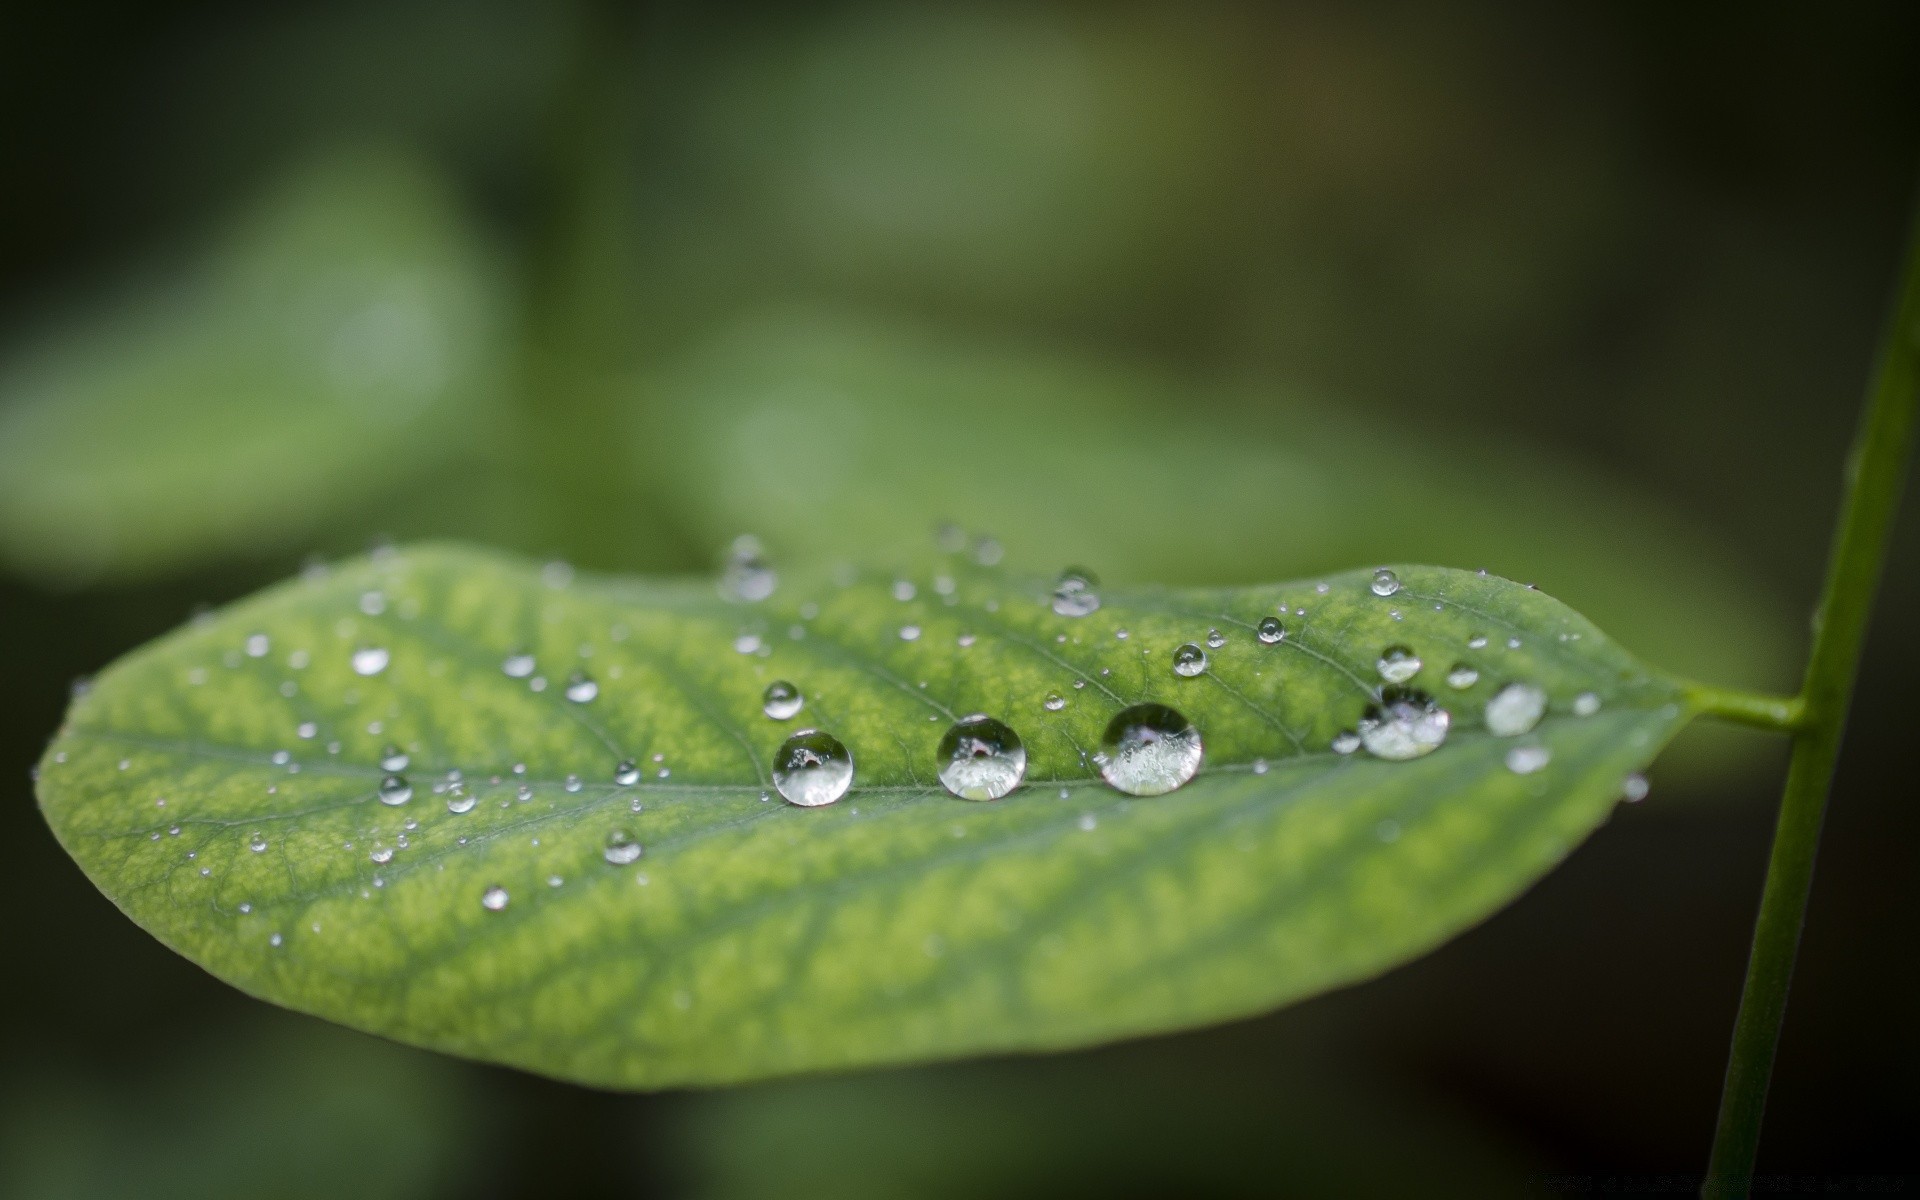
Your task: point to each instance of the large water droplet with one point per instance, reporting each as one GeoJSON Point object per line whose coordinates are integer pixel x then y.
{"type": "Point", "coordinates": [1385, 582]}
{"type": "Point", "coordinates": [370, 660]}
{"type": "Point", "coordinates": [494, 898]}
{"type": "Point", "coordinates": [1515, 709]}
{"type": "Point", "coordinates": [745, 576]}
{"type": "Point", "coordinates": [581, 688]}
{"type": "Point", "coordinates": [395, 790]}
{"type": "Point", "coordinates": [782, 701]}
{"type": "Point", "coordinates": [1271, 630]}
{"type": "Point", "coordinates": [621, 848]}
{"type": "Point", "coordinates": [1398, 664]}
{"type": "Point", "coordinates": [1189, 660]}
{"type": "Point", "coordinates": [627, 773]}
{"type": "Point", "coordinates": [519, 664]}
{"type": "Point", "coordinates": [1462, 677]}
{"type": "Point", "coordinates": [981, 759]}
{"type": "Point", "coordinates": [1149, 750]}
{"type": "Point", "coordinates": [1406, 723]}
{"type": "Point", "coordinates": [1075, 594]}
{"type": "Point", "coordinates": [812, 768]}
{"type": "Point", "coordinates": [1525, 760]}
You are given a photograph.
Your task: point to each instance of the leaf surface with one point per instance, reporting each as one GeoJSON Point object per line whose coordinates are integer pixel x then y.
{"type": "Point", "coordinates": [223, 786]}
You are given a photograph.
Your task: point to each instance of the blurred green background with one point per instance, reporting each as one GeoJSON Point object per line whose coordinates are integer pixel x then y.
{"type": "Point", "coordinates": [1201, 293]}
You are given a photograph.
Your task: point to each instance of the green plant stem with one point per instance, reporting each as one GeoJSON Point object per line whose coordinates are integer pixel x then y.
{"type": "Point", "coordinates": [1875, 476]}
{"type": "Point", "coordinates": [1782, 714]}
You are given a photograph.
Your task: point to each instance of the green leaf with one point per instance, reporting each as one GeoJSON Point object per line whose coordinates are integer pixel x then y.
{"type": "Point", "coordinates": [343, 337]}
{"type": "Point", "coordinates": [222, 786]}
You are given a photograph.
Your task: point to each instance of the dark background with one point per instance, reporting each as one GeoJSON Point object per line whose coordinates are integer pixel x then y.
{"type": "Point", "coordinates": [1653, 239]}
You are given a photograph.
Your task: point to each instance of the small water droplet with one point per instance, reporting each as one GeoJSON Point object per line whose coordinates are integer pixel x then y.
{"type": "Point", "coordinates": [1515, 709]}
{"type": "Point", "coordinates": [373, 603]}
{"type": "Point", "coordinates": [1477, 642]}
{"type": "Point", "coordinates": [782, 701]}
{"type": "Point", "coordinates": [275, 940]}
{"type": "Point", "coordinates": [1215, 639]}
{"type": "Point", "coordinates": [621, 849]}
{"type": "Point", "coordinates": [1385, 582]}
{"type": "Point", "coordinates": [1525, 760]}
{"type": "Point", "coordinates": [1189, 660]}
{"type": "Point", "coordinates": [1149, 750]}
{"type": "Point", "coordinates": [1271, 630]}
{"type": "Point", "coordinates": [747, 643]}
{"type": "Point", "coordinates": [257, 843]}
{"type": "Point", "coordinates": [627, 773]}
{"type": "Point", "coordinates": [812, 768]}
{"type": "Point", "coordinates": [258, 645]}
{"type": "Point", "coordinates": [745, 575]}
{"type": "Point", "coordinates": [395, 790]}
{"type": "Point", "coordinates": [1088, 822]}
{"type": "Point", "coordinates": [981, 759]}
{"type": "Point", "coordinates": [1054, 702]}
{"type": "Point", "coordinates": [1586, 704]}
{"type": "Point", "coordinates": [965, 640]}
{"type": "Point", "coordinates": [572, 782]}
{"type": "Point", "coordinates": [909, 633]}
{"type": "Point", "coordinates": [459, 801]}
{"type": "Point", "coordinates": [903, 590]}
{"type": "Point", "coordinates": [1462, 676]}
{"type": "Point", "coordinates": [1633, 789]}
{"type": "Point", "coordinates": [1398, 664]}
{"type": "Point", "coordinates": [1345, 742]}
{"type": "Point", "coordinates": [494, 898]}
{"type": "Point", "coordinates": [381, 855]}
{"type": "Point", "coordinates": [1405, 724]}
{"type": "Point", "coordinates": [393, 758]}
{"type": "Point", "coordinates": [581, 688]}
{"type": "Point", "coordinates": [988, 552]}
{"type": "Point", "coordinates": [519, 664]}
{"type": "Point", "coordinates": [1075, 595]}
{"type": "Point", "coordinates": [523, 793]}
{"type": "Point", "coordinates": [306, 731]}
{"type": "Point", "coordinates": [370, 660]}
{"type": "Point", "coordinates": [1259, 766]}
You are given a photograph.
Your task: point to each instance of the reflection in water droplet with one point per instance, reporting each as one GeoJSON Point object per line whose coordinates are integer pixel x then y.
{"type": "Point", "coordinates": [1149, 750]}
{"type": "Point", "coordinates": [812, 768]}
{"type": "Point", "coordinates": [627, 773]}
{"type": "Point", "coordinates": [1525, 760]}
{"type": "Point", "coordinates": [519, 664]}
{"type": "Point", "coordinates": [1054, 702]}
{"type": "Point", "coordinates": [581, 688]}
{"type": "Point", "coordinates": [1398, 664]}
{"type": "Point", "coordinates": [1462, 677]}
{"type": "Point", "coordinates": [981, 759]}
{"type": "Point", "coordinates": [745, 576]}
{"type": "Point", "coordinates": [621, 848]}
{"type": "Point", "coordinates": [1215, 639]}
{"type": "Point", "coordinates": [369, 660]}
{"type": "Point", "coordinates": [1385, 582]}
{"type": "Point", "coordinates": [393, 758]}
{"type": "Point", "coordinates": [1633, 789]}
{"type": "Point", "coordinates": [1586, 704]}
{"type": "Point", "coordinates": [494, 898]}
{"type": "Point", "coordinates": [1515, 709]}
{"type": "Point", "coordinates": [1271, 630]}
{"type": "Point", "coordinates": [1189, 660]}
{"type": "Point", "coordinates": [395, 790]}
{"type": "Point", "coordinates": [782, 701]}
{"type": "Point", "coordinates": [1406, 723]}
{"type": "Point", "coordinates": [381, 855]}
{"type": "Point", "coordinates": [1074, 595]}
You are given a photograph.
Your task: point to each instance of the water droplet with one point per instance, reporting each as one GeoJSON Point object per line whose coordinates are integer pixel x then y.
{"type": "Point", "coordinates": [1406, 723]}
{"type": "Point", "coordinates": [1525, 760]}
{"type": "Point", "coordinates": [1189, 660]}
{"type": "Point", "coordinates": [373, 603]}
{"type": "Point", "coordinates": [258, 843]}
{"type": "Point", "coordinates": [1515, 709]}
{"type": "Point", "coordinates": [1054, 702]}
{"type": "Point", "coordinates": [1149, 750]}
{"type": "Point", "coordinates": [1074, 595]}
{"type": "Point", "coordinates": [1477, 642]}
{"type": "Point", "coordinates": [812, 768]}
{"type": "Point", "coordinates": [1586, 704]}
{"type": "Point", "coordinates": [523, 793]}
{"type": "Point", "coordinates": [1385, 582]}
{"type": "Point", "coordinates": [395, 790]}
{"type": "Point", "coordinates": [621, 848]}
{"type": "Point", "coordinates": [1259, 766]}
{"type": "Point", "coordinates": [275, 940]}
{"type": "Point", "coordinates": [1398, 664]}
{"type": "Point", "coordinates": [494, 898]}
{"type": "Point", "coordinates": [782, 701]}
{"type": "Point", "coordinates": [519, 664]}
{"type": "Point", "coordinates": [981, 759]}
{"type": "Point", "coordinates": [306, 731]}
{"type": "Point", "coordinates": [988, 552]}
{"type": "Point", "coordinates": [1345, 742]}
{"type": "Point", "coordinates": [369, 660]}
{"type": "Point", "coordinates": [965, 640]}
{"type": "Point", "coordinates": [1088, 822]}
{"type": "Point", "coordinates": [1271, 630]}
{"type": "Point", "coordinates": [393, 758]}
{"type": "Point", "coordinates": [581, 688]}
{"type": "Point", "coordinates": [381, 855]}
{"type": "Point", "coordinates": [747, 643]}
{"type": "Point", "coordinates": [745, 575]}
{"type": "Point", "coordinates": [1462, 677]}
{"type": "Point", "coordinates": [1633, 789]}
{"type": "Point", "coordinates": [258, 645]}
{"type": "Point", "coordinates": [903, 590]}
{"type": "Point", "coordinates": [909, 633]}
{"type": "Point", "coordinates": [459, 801]}
{"type": "Point", "coordinates": [572, 783]}
{"type": "Point", "coordinates": [627, 773]}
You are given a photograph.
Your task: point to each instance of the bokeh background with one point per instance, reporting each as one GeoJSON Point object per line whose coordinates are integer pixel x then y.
{"type": "Point", "coordinates": [1216, 292]}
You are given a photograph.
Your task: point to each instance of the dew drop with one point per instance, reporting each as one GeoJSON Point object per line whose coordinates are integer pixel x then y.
{"type": "Point", "coordinates": [1398, 664]}
{"type": "Point", "coordinates": [621, 849]}
{"type": "Point", "coordinates": [1462, 677]}
{"type": "Point", "coordinates": [988, 552]}
{"type": "Point", "coordinates": [461, 802]}
{"type": "Point", "coordinates": [1525, 760]}
{"type": "Point", "coordinates": [1345, 742]}
{"type": "Point", "coordinates": [258, 645]}
{"type": "Point", "coordinates": [627, 773]}
{"type": "Point", "coordinates": [519, 664]}
{"type": "Point", "coordinates": [909, 633]}
{"type": "Point", "coordinates": [1149, 750]}
{"type": "Point", "coordinates": [523, 793]}
{"type": "Point", "coordinates": [782, 701]}
{"type": "Point", "coordinates": [494, 898]}
{"type": "Point", "coordinates": [1054, 702]}
{"type": "Point", "coordinates": [903, 590]}
{"type": "Point", "coordinates": [1075, 595]}
{"type": "Point", "coordinates": [393, 758]}
{"type": "Point", "coordinates": [1189, 660]}
{"type": "Point", "coordinates": [812, 768]}
{"type": "Point", "coordinates": [1515, 709]}
{"type": "Point", "coordinates": [381, 855]}
{"type": "Point", "coordinates": [1586, 704]}
{"type": "Point", "coordinates": [572, 782]}
{"type": "Point", "coordinates": [581, 688]}
{"type": "Point", "coordinates": [981, 759]}
{"type": "Point", "coordinates": [1271, 630]}
{"type": "Point", "coordinates": [257, 844]}
{"type": "Point", "coordinates": [745, 575]}
{"type": "Point", "coordinates": [1633, 789]}
{"type": "Point", "coordinates": [306, 731]}
{"type": "Point", "coordinates": [1477, 642]}
{"type": "Point", "coordinates": [1215, 639]}
{"type": "Point", "coordinates": [370, 660]}
{"type": "Point", "coordinates": [747, 643]}
{"type": "Point", "coordinates": [395, 790]}
{"type": "Point", "coordinates": [1405, 724]}
{"type": "Point", "coordinates": [1385, 582]}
